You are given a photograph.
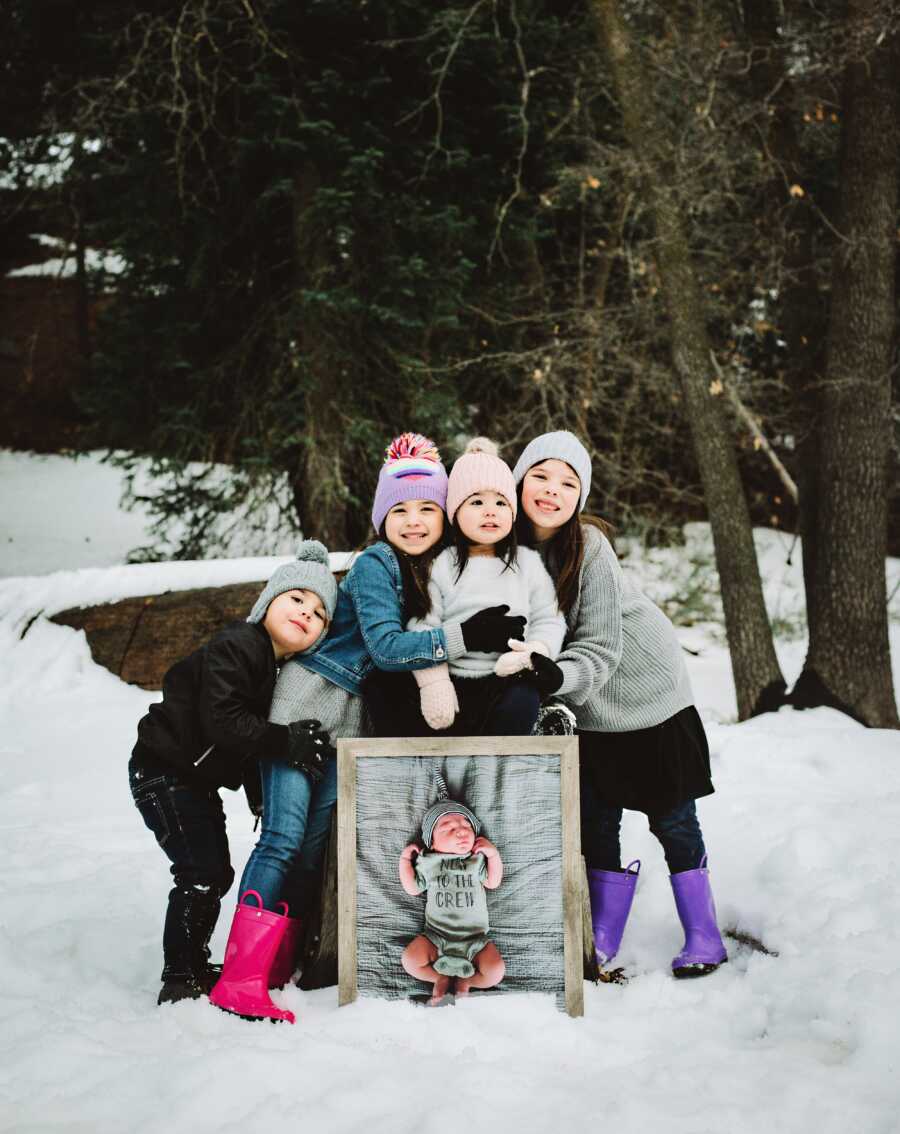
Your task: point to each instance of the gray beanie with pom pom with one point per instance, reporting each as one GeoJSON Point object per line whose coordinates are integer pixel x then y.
{"type": "Point", "coordinates": [308, 572]}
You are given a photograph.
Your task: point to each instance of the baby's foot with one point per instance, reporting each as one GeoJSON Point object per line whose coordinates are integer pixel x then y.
{"type": "Point", "coordinates": [462, 985]}
{"type": "Point", "coordinates": [440, 990]}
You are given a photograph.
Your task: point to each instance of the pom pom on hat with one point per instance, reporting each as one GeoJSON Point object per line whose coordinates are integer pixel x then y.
{"type": "Point", "coordinates": [310, 550]}
{"type": "Point", "coordinates": [412, 470]}
{"type": "Point", "coordinates": [483, 445]}
{"type": "Point", "coordinates": [480, 469]}
{"type": "Point", "coordinates": [310, 571]}
{"type": "Point", "coordinates": [412, 446]}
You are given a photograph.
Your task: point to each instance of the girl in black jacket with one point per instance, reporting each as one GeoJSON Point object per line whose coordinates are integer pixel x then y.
{"type": "Point", "coordinates": [207, 733]}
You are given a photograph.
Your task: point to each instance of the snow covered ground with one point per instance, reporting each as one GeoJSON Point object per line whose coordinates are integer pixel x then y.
{"type": "Point", "coordinates": [804, 841]}
{"type": "Point", "coordinates": [59, 511]}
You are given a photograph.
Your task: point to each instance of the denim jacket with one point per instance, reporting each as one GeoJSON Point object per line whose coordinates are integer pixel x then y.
{"type": "Point", "coordinates": [369, 627]}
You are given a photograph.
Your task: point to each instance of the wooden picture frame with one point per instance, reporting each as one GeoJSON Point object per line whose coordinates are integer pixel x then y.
{"type": "Point", "coordinates": [352, 755]}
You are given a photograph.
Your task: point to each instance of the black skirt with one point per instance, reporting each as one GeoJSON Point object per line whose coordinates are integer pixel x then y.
{"type": "Point", "coordinates": [650, 769]}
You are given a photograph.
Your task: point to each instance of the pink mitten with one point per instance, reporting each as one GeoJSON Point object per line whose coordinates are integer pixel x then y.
{"type": "Point", "coordinates": [519, 657]}
{"type": "Point", "coordinates": [437, 696]}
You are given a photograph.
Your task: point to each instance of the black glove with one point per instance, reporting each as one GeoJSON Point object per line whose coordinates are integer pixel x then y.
{"type": "Point", "coordinates": [545, 675]}
{"type": "Point", "coordinates": [490, 630]}
{"type": "Point", "coordinates": [309, 748]}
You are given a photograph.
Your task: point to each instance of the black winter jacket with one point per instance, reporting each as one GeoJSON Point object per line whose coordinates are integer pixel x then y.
{"type": "Point", "coordinates": [215, 708]}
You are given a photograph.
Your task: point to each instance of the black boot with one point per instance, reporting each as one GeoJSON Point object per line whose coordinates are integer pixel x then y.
{"type": "Point", "coordinates": [175, 988]}
{"type": "Point", "coordinates": [554, 719]}
{"type": "Point", "coordinates": [190, 920]}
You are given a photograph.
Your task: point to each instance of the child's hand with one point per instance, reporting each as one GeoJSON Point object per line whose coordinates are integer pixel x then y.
{"type": "Point", "coordinates": [511, 663]}
{"type": "Point", "coordinates": [545, 675]}
{"type": "Point", "coordinates": [492, 859]}
{"type": "Point", "coordinates": [518, 658]}
{"type": "Point", "coordinates": [489, 629]}
{"type": "Point", "coordinates": [309, 747]}
{"type": "Point", "coordinates": [439, 704]}
{"type": "Point", "coordinates": [437, 696]}
{"type": "Point", "coordinates": [406, 869]}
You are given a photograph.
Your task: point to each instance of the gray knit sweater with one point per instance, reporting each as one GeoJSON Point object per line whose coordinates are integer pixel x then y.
{"type": "Point", "coordinates": [301, 693]}
{"type": "Point", "coordinates": [622, 665]}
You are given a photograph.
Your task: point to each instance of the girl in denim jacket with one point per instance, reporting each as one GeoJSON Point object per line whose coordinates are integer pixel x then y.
{"type": "Point", "coordinates": [386, 581]}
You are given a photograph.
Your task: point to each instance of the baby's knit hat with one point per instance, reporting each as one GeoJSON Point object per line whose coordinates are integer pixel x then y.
{"type": "Point", "coordinates": [308, 572]}
{"type": "Point", "coordinates": [479, 469]}
{"type": "Point", "coordinates": [412, 470]}
{"type": "Point", "coordinates": [564, 446]}
{"type": "Point", "coordinates": [444, 806]}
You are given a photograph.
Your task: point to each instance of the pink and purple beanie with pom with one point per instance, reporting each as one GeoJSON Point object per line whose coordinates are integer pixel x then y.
{"type": "Point", "coordinates": [412, 470]}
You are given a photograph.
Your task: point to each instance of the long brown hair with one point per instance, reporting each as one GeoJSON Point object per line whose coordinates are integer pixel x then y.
{"type": "Point", "coordinates": [415, 571]}
{"type": "Point", "coordinates": [504, 550]}
{"type": "Point", "coordinates": [565, 550]}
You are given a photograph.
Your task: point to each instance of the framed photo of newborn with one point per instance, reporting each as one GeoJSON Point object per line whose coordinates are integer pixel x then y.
{"type": "Point", "coordinates": [459, 868]}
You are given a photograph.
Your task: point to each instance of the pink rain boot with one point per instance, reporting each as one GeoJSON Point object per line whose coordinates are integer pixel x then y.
{"type": "Point", "coordinates": [283, 966]}
{"type": "Point", "coordinates": [253, 942]}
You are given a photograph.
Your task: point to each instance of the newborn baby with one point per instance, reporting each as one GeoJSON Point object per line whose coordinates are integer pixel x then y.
{"type": "Point", "coordinates": [454, 868]}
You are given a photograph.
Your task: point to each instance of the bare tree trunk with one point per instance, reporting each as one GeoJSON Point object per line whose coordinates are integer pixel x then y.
{"type": "Point", "coordinates": [319, 492]}
{"type": "Point", "coordinates": [792, 226]}
{"type": "Point", "coordinates": [757, 676]}
{"type": "Point", "coordinates": [848, 629]}
{"type": "Point", "coordinates": [82, 296]}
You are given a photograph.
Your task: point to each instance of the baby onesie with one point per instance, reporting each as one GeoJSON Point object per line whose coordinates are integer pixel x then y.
{"type": "Point", "coordinates": [456, 914]}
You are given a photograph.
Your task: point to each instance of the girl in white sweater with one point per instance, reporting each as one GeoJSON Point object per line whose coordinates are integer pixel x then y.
{"type": "Point", "coordinates": [487, 693]}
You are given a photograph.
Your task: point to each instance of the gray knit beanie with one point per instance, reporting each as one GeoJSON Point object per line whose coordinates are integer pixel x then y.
{"type": "Point", "coordinates": [444, 806]}
{"type": "Point", "coordinates": [308, 572]}
{"type": "Point", "coordinates": [564, 446]}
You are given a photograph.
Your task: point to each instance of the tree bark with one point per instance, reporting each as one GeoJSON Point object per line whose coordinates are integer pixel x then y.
{"type": "Point", "coordinates": [848, 627]}
{"type": "Point", "coordinates": [317, 484]}
{"type": "Point", "coordinates": [757, 676]}
{"type": "Point", "coordinates": [791, 224]}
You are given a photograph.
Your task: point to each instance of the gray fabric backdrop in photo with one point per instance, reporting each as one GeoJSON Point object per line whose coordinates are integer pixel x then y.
{"type": "Point", "coordinates": [517, 800]}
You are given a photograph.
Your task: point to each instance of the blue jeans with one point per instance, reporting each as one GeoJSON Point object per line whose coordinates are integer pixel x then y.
{"type": "Point", "coordinates": [514, 712]}
{"type": "Point", "coordinates": [678, 832]}
{"type": "Point", "coordinates": [296, 824]}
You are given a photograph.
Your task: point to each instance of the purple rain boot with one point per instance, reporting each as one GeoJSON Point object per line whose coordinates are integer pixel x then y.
{"type": "Point", "coordinates": [283, 966]}
{"type": "Point", "coordinates": [612, 892]}
{"type": "Point", "coordinates": [703, 950]}
{"type": "Point", "coordinates": [243, 987]}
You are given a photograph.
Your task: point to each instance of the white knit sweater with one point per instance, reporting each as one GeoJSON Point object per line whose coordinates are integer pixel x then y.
{"type": "Point", "coordinates": [526, 587]}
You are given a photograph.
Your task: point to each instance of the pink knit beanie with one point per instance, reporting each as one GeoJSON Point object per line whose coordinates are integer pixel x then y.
{"type": "Point", "coordinates": [479, 469]}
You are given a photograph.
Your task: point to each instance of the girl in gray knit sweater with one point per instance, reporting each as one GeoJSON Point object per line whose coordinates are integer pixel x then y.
{"type": "Point", "coordinates": [621, 671]}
